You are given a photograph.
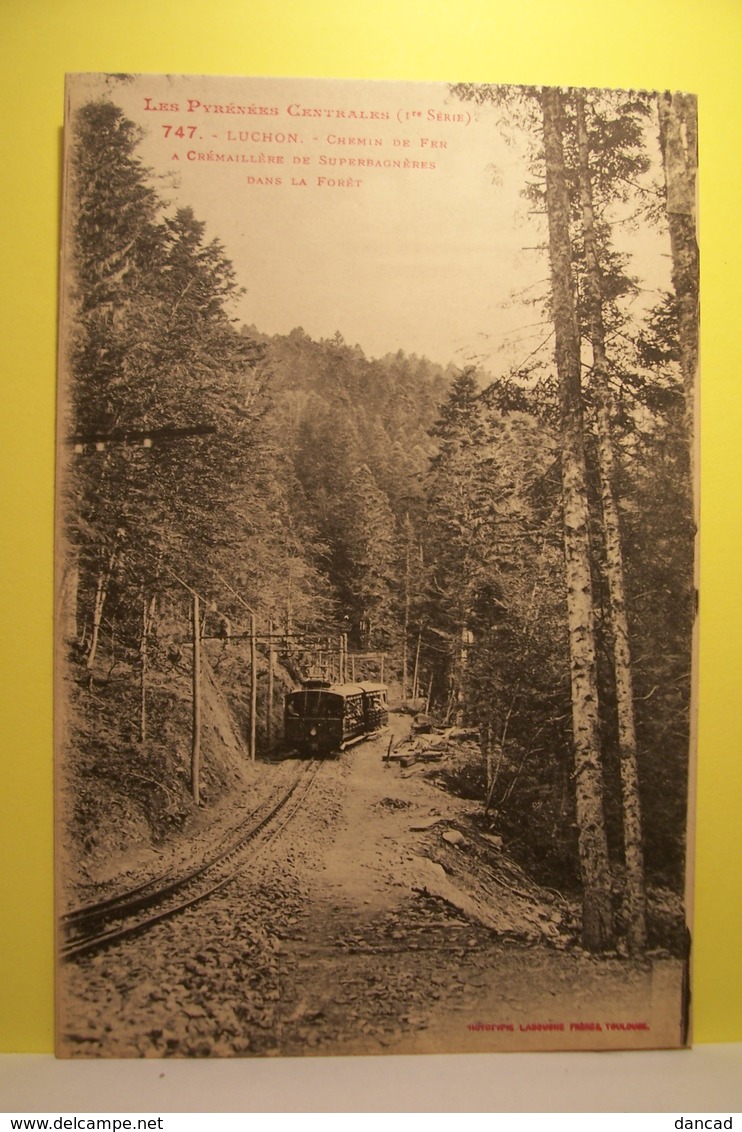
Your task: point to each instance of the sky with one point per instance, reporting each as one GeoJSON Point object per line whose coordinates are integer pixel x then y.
{"type": "Point", "coordinates": [428, 255]}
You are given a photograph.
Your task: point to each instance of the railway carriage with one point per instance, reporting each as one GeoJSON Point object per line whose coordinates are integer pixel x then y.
{"type": "Point", "coordinates": [322, 717]}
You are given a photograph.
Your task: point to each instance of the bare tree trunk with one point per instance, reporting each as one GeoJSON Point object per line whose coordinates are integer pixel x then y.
{"type": "Point", "coordinates": [597, 912]}
{"type": "Point", "coordinates": [635, 894]}
{"type": "Point", "coordinates": [101, 592]}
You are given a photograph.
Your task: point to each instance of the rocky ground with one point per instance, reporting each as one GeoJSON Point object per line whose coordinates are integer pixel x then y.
{"type": "Point", "coordinates": [377, 919]}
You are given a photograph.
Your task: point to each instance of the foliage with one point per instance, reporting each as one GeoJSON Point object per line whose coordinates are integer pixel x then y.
{"type": "Point", "coordinates": [413, 506]}
{"type": "Point", "coordinates": [653, 493]}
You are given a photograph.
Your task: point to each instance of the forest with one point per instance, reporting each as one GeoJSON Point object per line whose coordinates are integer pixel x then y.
{"type": "Point", "coordinates": [519, 545]}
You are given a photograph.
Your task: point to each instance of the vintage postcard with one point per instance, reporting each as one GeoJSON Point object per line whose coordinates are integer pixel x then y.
{"type": "Point", "coordinates": [375, 567]}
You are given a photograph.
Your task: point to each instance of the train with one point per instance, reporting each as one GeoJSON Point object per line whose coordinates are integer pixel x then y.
{"type": "Point", "coordinates": [322, 718]}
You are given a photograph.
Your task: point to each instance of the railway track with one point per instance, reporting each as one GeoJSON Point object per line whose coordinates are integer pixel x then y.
{"type": "Point", "coordinates": [98, 925]}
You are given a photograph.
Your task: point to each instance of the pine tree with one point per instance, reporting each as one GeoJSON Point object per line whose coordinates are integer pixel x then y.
{"type": "Point", "coordinates": [153, 347]}
{"type": "Point", "coordinates": [368, 542]}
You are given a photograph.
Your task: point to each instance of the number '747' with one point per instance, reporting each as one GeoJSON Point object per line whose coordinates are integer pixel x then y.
{"type": "Point", "coordinates": [180, 131]}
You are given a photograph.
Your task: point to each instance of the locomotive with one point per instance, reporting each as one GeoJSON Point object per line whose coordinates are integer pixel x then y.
{"type": "Point", "coordinates": [322, 717]}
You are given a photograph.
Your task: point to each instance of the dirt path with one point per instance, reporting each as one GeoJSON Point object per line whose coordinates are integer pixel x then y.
{"type": "Point", "coordinates": [373, 921]}
{"type": "Point", "coordinates": [375, 963]}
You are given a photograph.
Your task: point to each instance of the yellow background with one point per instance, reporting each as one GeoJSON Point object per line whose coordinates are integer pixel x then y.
{"type": "Point", "coordinates": [680, 44]}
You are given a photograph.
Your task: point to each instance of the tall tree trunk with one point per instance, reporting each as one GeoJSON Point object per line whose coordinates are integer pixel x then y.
{"type": "Point", "coordinates": [635, 894]}
{"type": "Point", "coordinates": [678, 119]}
{"type": "Point", "coordinates": [101, 592]}
{"type": "Point", "coordinates": [597, 913]}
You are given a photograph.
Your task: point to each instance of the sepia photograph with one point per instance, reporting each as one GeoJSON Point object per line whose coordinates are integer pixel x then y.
{"type": "Point", "coordinates": [376, 598]}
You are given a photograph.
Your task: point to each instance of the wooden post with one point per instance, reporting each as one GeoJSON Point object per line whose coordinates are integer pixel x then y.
{"type": "Point", "coordinates": [417, 663]}
{"type": "Point", "coordinates": [381, 667]}
{"type": "Point", "coordinates": [406, 622]}
{"type": "Point", "coordinates": [430, 693]}
{"type": "Point", "coordinates": [101, 592]}
{"type": "Point", "coordinates": [269, 716]}
{"type": "Point", "coordinates": [143, 674]}
{"type": "Point", "coordinates": [196, 732]}
{"type": "Point", "coordinates": [353, 667]}
{"type": "Point", "coordinates": [489, 769]}
{"type": "Point", "coordinates": [67, 596]}
{"type": "Point", "coordinates": [253, 687]}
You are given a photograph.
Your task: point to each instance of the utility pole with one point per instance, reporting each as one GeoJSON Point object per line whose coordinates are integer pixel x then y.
{"type": "Point", "coordinates": [253, 688]}
{"type": "Point", "coordinates": [143, 673]}
{"type": "Point", "coordinates": [343, 657]}
{"type": "Point", "coordinates": [269, 717]}
{"type": "Point", "coordinates": [417, 663]}
{"type": "Point", "coordinates": [196, 732]}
